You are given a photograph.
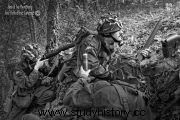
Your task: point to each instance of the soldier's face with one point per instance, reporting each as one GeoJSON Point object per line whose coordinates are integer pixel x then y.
{"type": "Point", "coordinates": [109, 44]}
{"type": "Point", "coordinates": [118, 35]}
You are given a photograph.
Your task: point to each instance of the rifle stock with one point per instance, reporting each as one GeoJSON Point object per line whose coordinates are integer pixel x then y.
{"type": "Point", "coordinates": [83, 32]}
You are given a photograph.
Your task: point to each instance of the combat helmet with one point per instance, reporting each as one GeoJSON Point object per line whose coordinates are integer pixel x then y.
{"type": "Point", "coordinates": [29, 55]}
{"type": "Point", "coordinates": [30, 52]}
{"type": "Point", "coordinates": [170, 45]}
{"type": "Point", "coordinates": [108, 25]}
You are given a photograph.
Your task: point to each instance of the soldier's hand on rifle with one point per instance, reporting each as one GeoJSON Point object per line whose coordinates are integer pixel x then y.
{"type": "Point", "coordinates": [83, 73]}
{"type": "Point", "coordinates": [146, 53]}
{"type": "Point", "coordinates": [143, 54]}
{"type": "Point", "coordinates": [39, 64]}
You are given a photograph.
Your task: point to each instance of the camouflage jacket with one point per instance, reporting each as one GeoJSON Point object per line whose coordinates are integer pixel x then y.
{"type": "Point", "coordinates": [97, 57]}
{"type": "Point", "coordinates": [25, 84]}
{"type": "Point", "coordinates": [158, 65]}
{"type": "Point", "coordinates": [28, 83]}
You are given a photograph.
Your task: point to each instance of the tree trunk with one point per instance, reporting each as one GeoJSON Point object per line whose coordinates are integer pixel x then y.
{"type": "Point", "coordinates": [97, 5]}
{"type": "Point", "coordinates": [32, 28]}
{"type": "Point", "coordinates": [39, 22]}
{"type": "Point", "coordinates": [51, 15]}
{"type": "Point", "coordinates": [9, 21]}
{"type": "Point", "coordinates": [85, 4]}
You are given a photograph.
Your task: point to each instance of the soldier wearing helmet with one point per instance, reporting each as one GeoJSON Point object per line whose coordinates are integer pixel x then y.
{"type": "Point", "coordinates": [166, 67]}
{"type": "Point", "coordinates": [27, 76]}
{"type": "Point", "coordinates": [97, 50]}
{"type": "Point", "coordinates": [29, 56]}
{"type": "Point", "coordinates": [100, 47]}
{"type": "Point", "coordinates": [169, 50]}
{"type": "Point", "coordinates": [171, 45]}
{"type": "Point", "coordinates": [110, 28]}
{"type": "Point", "coordinates": [90, 91]}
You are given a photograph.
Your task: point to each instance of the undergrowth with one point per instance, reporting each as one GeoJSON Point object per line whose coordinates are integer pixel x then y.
{"type": "Point", "coordinates": [138, 23]}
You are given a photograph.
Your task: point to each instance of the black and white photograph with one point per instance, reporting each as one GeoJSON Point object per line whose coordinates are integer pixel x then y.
{"type": "Point", "coordinates": [89, 59]}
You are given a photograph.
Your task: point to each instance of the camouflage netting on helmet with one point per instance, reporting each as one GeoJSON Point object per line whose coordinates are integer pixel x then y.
{"type": "Point", "coordinates": [108, 25]}
{"type": "Point", "coordinates": [30, 51]}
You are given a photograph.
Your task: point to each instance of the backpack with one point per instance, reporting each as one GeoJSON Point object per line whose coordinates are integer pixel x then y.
{"type": "Point", "coordinates": [107, 95]}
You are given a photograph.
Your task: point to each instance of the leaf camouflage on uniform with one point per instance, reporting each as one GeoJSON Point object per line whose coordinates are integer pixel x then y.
{"type": "Point", "coordinates": [164, 81]}
{"type": "Point", "coordinates": [162, 77]}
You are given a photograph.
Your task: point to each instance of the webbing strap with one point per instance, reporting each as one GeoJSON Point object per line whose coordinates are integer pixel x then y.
{"type": "Point", "coordinates": [122, 96]}
{"type": "Point", "coordinates": [123, 83]}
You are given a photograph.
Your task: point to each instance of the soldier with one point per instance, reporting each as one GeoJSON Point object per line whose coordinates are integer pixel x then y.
{"type": "Point", "coordinates": [27, 76]}
{"type": "Point", "coordinates": [168, 56]}
{"type": "Point", "coordinates": [167, 68]}
{"type": "Point", "coordinates": [98, 49]}
{"type": "Point", "coordinates": [98, 88]}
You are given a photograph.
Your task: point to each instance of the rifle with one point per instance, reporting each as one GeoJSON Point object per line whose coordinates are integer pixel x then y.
{"type": "Point", "coordinates": [150, 40]}
{"type": "Point", "coordinates": [82, 33]}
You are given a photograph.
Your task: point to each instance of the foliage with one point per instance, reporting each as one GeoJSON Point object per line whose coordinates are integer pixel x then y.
{"type": "Point", "coordinates": [138, 23]}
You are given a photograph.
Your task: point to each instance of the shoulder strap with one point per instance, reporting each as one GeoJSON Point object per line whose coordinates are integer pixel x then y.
{"type": "Point", "coordinates": [123, 83]}
{"type": "Point", "coordinates": [122, 96]}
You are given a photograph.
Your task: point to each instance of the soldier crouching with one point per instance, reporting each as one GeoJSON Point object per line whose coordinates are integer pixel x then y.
{"type": "Point", "coordinates": [27, 78]}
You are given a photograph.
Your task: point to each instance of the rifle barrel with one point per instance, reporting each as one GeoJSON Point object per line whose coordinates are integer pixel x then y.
{"type": "Point", "coordinates": [55, 52]}
{"type": "Point", "coordinates": [83, 32]}
{"type": "Point", "coordinates": [153, 33]}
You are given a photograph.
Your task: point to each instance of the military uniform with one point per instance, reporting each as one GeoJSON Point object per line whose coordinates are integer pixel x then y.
{"type": "Point", "coordinates": [98, 53]}
{"type": "Point", "coordinates": [98, 57]}
{"type": "Point", "coordinates": [106, 96]}
{"type": "Point", "coordinates": [97, 61]}
{"type": "Point", "coordinates": [30, 93]}
{"type": "Point", "coordinates": [103, 92]}
{"type": "Point", "coordinates": [163, 72]}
